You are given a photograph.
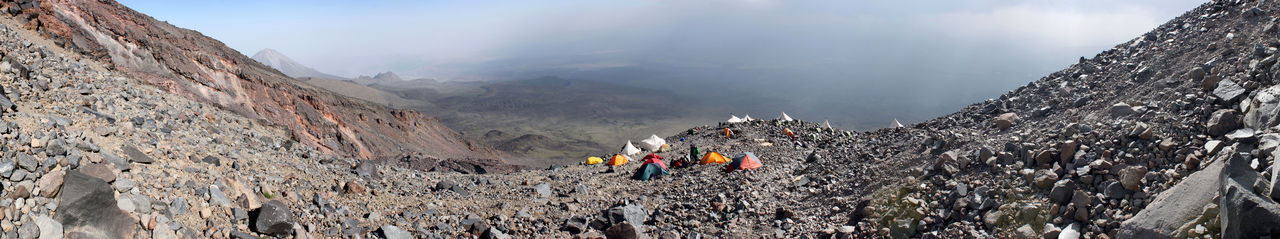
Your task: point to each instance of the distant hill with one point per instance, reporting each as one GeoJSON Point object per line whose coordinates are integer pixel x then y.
{"type": "Point", "coordinates": [288, 66]}
{"type": "Point", "coordinates": [384, 77]}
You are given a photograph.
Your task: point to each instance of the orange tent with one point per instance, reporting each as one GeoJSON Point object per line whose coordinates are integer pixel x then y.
{"type": "Point", "coordinates": [618, 159]}
{"type": "Point", "coordinates": [714, 157]}
{"type": "Point", "coordinates": [789, 133]}
{"type": "Point", "coordinates": [728, 133]}
{"type": "Point", "coordinates": [745, 160]}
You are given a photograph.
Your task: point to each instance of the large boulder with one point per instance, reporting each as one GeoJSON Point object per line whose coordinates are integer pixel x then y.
{"type": "Point", "coordinates": [1245, 213]}
{"type": "Point", "coordinates": [87, 207]}
{"type": "Point", "coordinates": [1176, 206]}
{"type": "Point", "coordinates": [273, 218]}
{"type": "Point", "coordinates": [1228, 91]}
{"type": "Point", "coordinates": [1223, 121]}
{"type": "Point", "coordinates": [1265, 106]}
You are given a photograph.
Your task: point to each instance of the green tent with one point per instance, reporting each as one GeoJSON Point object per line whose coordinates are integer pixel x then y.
{"type": "Point", "coordinates": [649, 171]}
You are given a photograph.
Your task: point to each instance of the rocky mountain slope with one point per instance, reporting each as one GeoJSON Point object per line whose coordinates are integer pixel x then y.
{"type": "Point", "coordinates": [195, 66]}
{"type": "Point", "coordinates": [1171, 134]}
{"type": "Point", "coordinates": [288, 66]}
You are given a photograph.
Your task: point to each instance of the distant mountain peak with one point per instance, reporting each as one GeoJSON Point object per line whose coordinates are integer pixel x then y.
{"type": "Point", "coordinates": [379, 78]}
{"type": "Point", "coordinates": [288, 66]}
{"type": "Point", "coordinates": [387, 76]}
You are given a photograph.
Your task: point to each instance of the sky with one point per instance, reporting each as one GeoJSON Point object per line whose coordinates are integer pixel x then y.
{"type": "Point", "coordinates": [833, 59]}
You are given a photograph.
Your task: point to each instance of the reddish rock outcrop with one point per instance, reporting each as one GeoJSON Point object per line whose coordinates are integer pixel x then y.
{"type": "Point", "coordinates": [190, 64]}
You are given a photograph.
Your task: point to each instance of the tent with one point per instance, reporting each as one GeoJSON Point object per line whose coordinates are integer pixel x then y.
{"type": "Point", "coordinates": [744, 160]}
{"type": "Point", "coordinates": [665, 148]}
{"type": "Point", "coordinates": [728, 133]}
{"type": "Point", "coordinates": [714, 157]}
{"type": "Point", "coordinates": [655, 159]}
{"type": "Point", "coordinates": [594, 160]}
{"type": "Point", "coordinates": [747, 118]}
{"type": "Point", "coordinates": [618, 159]}
{"type": "Point", "coordinates": [784, 117]}
{"type": "Point", "coordinates": [653, 143]}
{"type": "Point", "coordinates": [828, 124]}
{"type": "Point", "coordinates": [788, 133]}
{"type": "Point", "coordinates": [630, 149]}
{"type": "Point", "coordinates": [897, 124]}
{"type": "Point", "coordinates": [734, 119]}
{"type": "Point", "coordinates": [652, 168]}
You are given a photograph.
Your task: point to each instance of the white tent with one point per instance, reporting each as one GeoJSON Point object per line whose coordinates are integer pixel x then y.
{"type": "Point", "coordinates": [653, 143]}
{"type": "Point", "coordinates": [897, 124]}
{"type": "Point", "coordinates": [828, 124]}
{"type": "Point", "coordinates": [785, 117]}
{"type": "Point", "coordinates": [747, 118]}
{"type": "Point", "coordinates": [734, 119]}
{"type": "Point", "coordinates": [630, 149]}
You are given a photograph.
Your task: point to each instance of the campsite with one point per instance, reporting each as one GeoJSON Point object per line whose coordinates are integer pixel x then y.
{"type": "Point", "coordinates": [661, 157]}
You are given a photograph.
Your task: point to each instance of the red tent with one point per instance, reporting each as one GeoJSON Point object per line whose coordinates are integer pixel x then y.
{"type": "Point", "coordinates": [655, 159]}
{"type": "Point", "coordinates": [745, 160]}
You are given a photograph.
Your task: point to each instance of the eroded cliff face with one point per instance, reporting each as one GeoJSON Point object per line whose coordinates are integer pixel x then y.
{"type": "Point", "coordinates": [195, 66]}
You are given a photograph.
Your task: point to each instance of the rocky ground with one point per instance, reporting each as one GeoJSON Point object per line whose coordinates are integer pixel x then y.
{"type": "Point", "coordinates": [1171, 134]}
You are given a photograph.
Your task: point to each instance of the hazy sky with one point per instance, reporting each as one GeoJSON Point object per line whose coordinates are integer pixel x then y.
{"type": "Point", "coordinates": [855, 62]}
{"type": "Point", "coordinates": [433, 38]}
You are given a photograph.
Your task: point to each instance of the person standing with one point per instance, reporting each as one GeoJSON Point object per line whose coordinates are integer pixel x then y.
{"type": "Point", "coordinates": [693, 152]}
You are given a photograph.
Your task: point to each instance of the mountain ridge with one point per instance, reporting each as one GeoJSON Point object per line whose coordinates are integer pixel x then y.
{"type": "Point", "coordinates": [190, 64]}
{"type": "Point", "coordinates": [288, 66]}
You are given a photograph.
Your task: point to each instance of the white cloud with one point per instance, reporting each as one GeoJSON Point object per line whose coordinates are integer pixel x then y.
{"type": "Point", "coordinates": [1047, 26]}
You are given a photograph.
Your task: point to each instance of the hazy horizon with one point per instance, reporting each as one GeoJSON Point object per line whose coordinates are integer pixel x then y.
{"type": "Point", "coordinates": [856, 63]}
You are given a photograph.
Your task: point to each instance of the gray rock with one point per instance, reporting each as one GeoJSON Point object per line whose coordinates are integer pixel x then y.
{"type": "Point", "coordinates": [178, 207]}
{"type": "Point", "coordinates": [274, 218]}
{"type": "Point", "coordinates": [543, 189]}
{"type": "Point", "coordinates": [120, 163]}
{"type": "Point", "coordinates": [393, 232]}
{"type": "Point", "coordinates": [1265, 107]}
{"type": "Point", "coordinates": [212, 160]}
{"type": "Point", "coordinates": [1245, 214]}
{"type": "Point", "coordinates": [1177, 205]}
{"type": "Point", "coordinates": [1228, 91]}
{"type": "Point", "coordinates": [1061, 192]}
{"type": "Point", "coordinates": [1223, 121]}
{"type": "Point", "coordinates": [1245, 135]}
{"type": "Point", "coordinates": [87, 206]}
{"type": "Point", "coordinates": [7, 166]}
{"type": "Point", "coordinates": [29, 230]}
{"type": "Point", "coordinates": [49, 229]}
{"type": "Point", "coordinates": [28, 162]}
{"type": "Point", "coordinates": [56, 148]}
{"type": "Point", "coordinates": [1070, 232]}
{"type": "Point", "coordinates": [1121, 109]}
{"type": "Point", "coordinates": [216, 197]}
{"type": "Point", "coordinates": [494, 233]}
{"type": "Point", "coordinates": [575, 225]}
{"type": "Point", "coordinates": [126, 205]}
{"type": "Point", "coordinates": [239, 214]}
{"type": "Point", "coordinates": [135, 155]}
{"type": "Point", "coordinates": [1115, 190]}
{"type": "Point", "coordinates": [123, 184]}
{"type": "Point", "coordinates": [630, 213]}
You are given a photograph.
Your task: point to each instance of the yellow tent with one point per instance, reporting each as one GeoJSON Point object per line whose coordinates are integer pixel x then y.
{"type": "Point", "coordinates": [618, 159]}
{"type": "Point", "coordinates": [594, 160]}
{"type": "Point", "coordinates": [714, 157]}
